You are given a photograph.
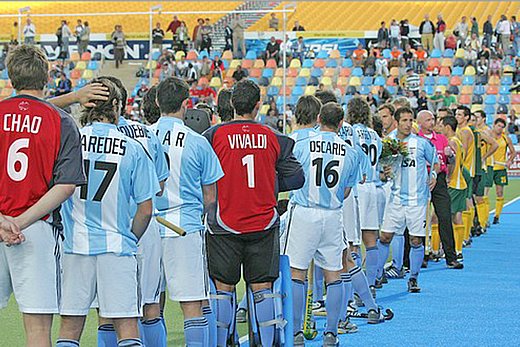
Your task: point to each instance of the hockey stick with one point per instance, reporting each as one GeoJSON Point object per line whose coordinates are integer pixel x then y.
{"type": "Point", "coordinates": [180, 231]}
{"type": "Point", "coordinates": [388, 314]}
{"type": "Point", "coordinates": [427, 230]}
{"type": "Point", "coordinates": [309, 329]}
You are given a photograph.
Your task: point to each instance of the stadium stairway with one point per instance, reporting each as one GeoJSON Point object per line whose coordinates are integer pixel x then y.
{"type": "Point", "coordinates": [126, 72]}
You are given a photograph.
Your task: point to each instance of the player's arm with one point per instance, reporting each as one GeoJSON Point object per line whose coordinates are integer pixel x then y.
{"type": "Point", "coordinates": [466, 139]}
{"type": "Point", "coordinates": [451, 158]}
{"type": "Point", "coordinates": [288, 168]}
{"type": "Point", "coordinates": [209, 193]}
{"type": "Point", "coordinates": [9, 231]}
{"type": "Point", "coordinates": [142, 218]}
{"type": "Point", "coordinates": [86, 96]}
{"type": "Point", "coordinates": [511, 152]}
{"type": "Point", "coordinates": [486, 136]}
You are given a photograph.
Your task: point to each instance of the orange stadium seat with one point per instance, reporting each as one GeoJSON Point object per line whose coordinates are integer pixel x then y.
{"type": "Point", "coordinates": [288, 91]}
{"type": "Point", "coordinates": [319, 63]}
{"type": "Point", "coordinates": [271, 63]}
{"type": "Point", "coordinates": [455, 81]}
{"type": "Point", "coordinates": [467, 90]}
{"type": "Point", "coordinates": [74, 56]}
{"type": "Point", "coordinates": [345, 72]}
{"type": "Point", "coordinates": [292, 72]}
{"type": "Point", "coordinates": [255, 73]}
{"type": "Point", "coordinates": [329, 72]}
{"type": "Point", "coordinates": [75, 74]}
{"type": "Point", "coordinates": [86, 56]}
{"type": "Point", "coordinates": [192, 55]}
{"type": "Point", "coordinates": [492, 90]}
{"type": "Point", "coordinates": [342, 81]}
{"type": "Point", "coordinates": [334, 54]}
{"type": "Point", "coordinates": [247, 63]}
{"type": "Point", "coordinates": [494, 80]}
{"type": "Point", "coordinates": [465, 99]}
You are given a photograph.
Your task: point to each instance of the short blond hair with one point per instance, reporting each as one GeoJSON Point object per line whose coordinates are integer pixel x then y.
{"type": "Point", "coordinates": [27, 67]}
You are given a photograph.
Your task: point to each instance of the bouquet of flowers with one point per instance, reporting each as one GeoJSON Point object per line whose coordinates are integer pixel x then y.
{"type": "Point", "coordinates": [393, 153]}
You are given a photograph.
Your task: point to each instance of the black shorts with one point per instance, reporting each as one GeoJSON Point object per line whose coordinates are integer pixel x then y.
{"type": "Point", "coordinates": [258, 253]}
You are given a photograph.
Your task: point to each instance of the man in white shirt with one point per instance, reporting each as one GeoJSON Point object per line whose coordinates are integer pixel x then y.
{"type": "Point", "coordinates": [29, 32]}
{"type": "Point", "coordinates": [504, 29]}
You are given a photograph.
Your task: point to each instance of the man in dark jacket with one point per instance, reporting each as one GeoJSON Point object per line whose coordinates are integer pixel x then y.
{"type": "Point", "coordinates": [382, 36]}
{"type": "Point", "coordinates": [488, 31]}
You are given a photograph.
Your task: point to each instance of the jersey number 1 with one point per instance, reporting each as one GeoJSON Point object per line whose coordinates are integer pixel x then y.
{"type": "Point", "coordinates": [330, 175]}
{"type": "Point", "coordinates": [110, 169]}
{"type": "Point", "coordinates": [249, 162]}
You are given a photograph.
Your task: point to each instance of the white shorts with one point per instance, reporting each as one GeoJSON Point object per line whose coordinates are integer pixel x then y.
{"type": "Point", "coordinates": [114, 279]}
{"type": "Point", "coordinates": [368, 206]}
{"type": "Point", "coordinates": [381, 203]}
{"type": "Point", "coordinates": [351, 227]}
{"type": "Point", "coordinates": [32, 270]}
{"type": "Point", "coordinates": [315, 233]}
{"type": "Point", "coordinates": [149, 256]}
{"type": "Point", "coordinates": [185, 267]}
{"type": "Point", "coordinates": [398, 218]}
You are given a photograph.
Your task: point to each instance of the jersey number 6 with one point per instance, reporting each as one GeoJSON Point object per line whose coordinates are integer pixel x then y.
{"type": "Point", "coordinates": [330, 175]}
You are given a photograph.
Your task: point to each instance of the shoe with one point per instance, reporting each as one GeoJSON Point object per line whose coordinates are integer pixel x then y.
{"type": "Point", "coordinates": [435, 257]}
{"type": "Point", "coordinates": [394, 273]}
{"type": "Point", "coordinates": [318, 306]}
{"type": "Point", "coordinates": [413, 287]}
{"type": "Point", "coordinates": [299, 339]}
{"type": "Point", "coordinates": [352, 307]}
{"type": "Point", "coordinates": [496, 221]}
{"type": "Point", "coordinates": [379, 283]}
{"type": "Point", "coordinates": [330, 340]}
{"type": "Point", "coordinates": [478, 231]}
{"type": "Point", "coordinates": [424, 264]}
{"type": "Point", "coordinates": [241, 316]}
{"type": "Point", "coordinates": [466, 243]}
{"type": "Point", "coordinates": [384, 280]}
{"type": "Point", "coordinates": [455, 265]}
{"type": "Point", "coordinates": [373, 291]}
{"type": "Point", "coordinates": [359, 302]}
{"type": "Point", "coordinates": [460, 258]}
{"type": "Point", "coordinates": [346, 327]}
{"type": "Point", "coordinates": [375, 317]}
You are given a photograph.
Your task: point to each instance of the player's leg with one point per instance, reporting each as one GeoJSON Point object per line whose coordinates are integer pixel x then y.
{"type": "Point", "coordinates": [370, 228]}
{"type": "Point", "coordinates": [393, 225]}
{"type": "Point", "coordinates": [458, 205]}
{"type": "Point", "coordinates": [436, 240]}
{"type": "Point", "coordinates": [500, 180]}
{"type": "Point", "coordinates": [415, 217]}
{"type": "Point", "coordinates": [317, 292]}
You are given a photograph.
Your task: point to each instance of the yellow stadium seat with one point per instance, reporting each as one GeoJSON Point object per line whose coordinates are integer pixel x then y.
{"type": "Point", "coordinates": [290, 81]}
{"type": "Point", "coordinates": [470, 71]}
{"type": "Point", "coordinates": [327, 81]}
{"type": "Point", "coordinates": [394, 71]}
{"type": "Point", "coordinates": [447, 62]}
{"type": "Point", "coordinates": [87, 74]}
{"type": "Point", "coordinates": [509, 69]}
{"type": "Point", "coordinates": [81, 65]}
{"type": "Point", "coordinates": [2, 83]}
{"type": "Point", "coordinates": [152, 64]}
{"type": "Point", "coordinates": [264, 109]}
{"type": "Point", "coordinates": [475, 108]}
{"type": "Point", "coordinates": [259, 64]}
{"type": "Point", "coordinates": [374, 90]}
{"type": "Point", "coordinates": [329, 72]}
{"type": "Point", "coordinates": [74, 56]}
{"type": "Point", "coordinates": [215, 82]}
{"type": "Point", "coordinates": [459, 53]}
{"type": "Point", "coordinates": [276, 81]}
{"type": "Point", "coordinates": [227, 55]}
{"type": "Point", "coordinates": [334, 54]}
{"type": "Point", "coordinates": [229, 73]}
{"type": "Point", "coordinates": [442, 88]}
{"type": "Point", "coordinates": [467, 90]}
{"type": "Point", "coordinates": [278, 72]}
{"type": "Point", "coordinates": [295, 63]}
{"type": "Point", "coordinates": [235, 63]}
{"type": "Point", "coordinates": [179, 55]}
{"type": "Point", "coordinates": [263, 92]}
{"type": "Point", "coordinates": [354, 81]}
{"type": "Point", "coordinates": [305, 72]}
{"type": "Point", "coordinates": [310, 90]}
{"type": "Point", "coordinates": [6, 92]}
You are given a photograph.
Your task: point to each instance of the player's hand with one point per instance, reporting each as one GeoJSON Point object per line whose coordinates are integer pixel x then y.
{"type": "Point", "coordinates": [509, 163]}
{"type": "Point", "coordinates": [10, 232]}
{"type": "Point", "coordinates": [432, 183]}
{"type": "Point", "coordinates": [448, 151]}
{"type": "Point", "coordinates": [90, 93]}
{"type": "Point", "coordinates": [387, 170]}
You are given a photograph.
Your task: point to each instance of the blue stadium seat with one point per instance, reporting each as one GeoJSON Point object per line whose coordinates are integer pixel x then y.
{"type": "Point", "coordinates": [467, 80]}
{"type": "Point", "coordinates": [490, 110]}
{"type": "Point", "coordinates": [504, 90]}
{"type": "Point", "coordinates": [436, 53]}
{"type": "Point", "coordinates": [4, 75]}
{"type": "Point", "coordinates": [365, 90]}
{"type": "Point", "coordinates": [205, 53]}
{"type": "Point", "coordinates": [273, 91]}
{"type": "Point", "coordinates": [279, 102]}
{"type": "Point", "coordinates": [263, 81]}
{"type": "Point", "coordinates": [156, 55]}
{"type": "Point", "coordinates": [387, 53]}
{"type": "Point", "coordinates": [254, 79]}
{"type": "Point", "coordinates": [297, 91]}
{"type": "Point", "coordinates": [316, 72]}
{"type": "Point", "coordinates": [81, 83]}
{"type": "Point", "coordinates": [213, 54]}
{"type": "Point", "coordinates": [332, 63]}
{"type": "Point", "coordinates": [429, 90]}
{"type": "Point", "coordinates": [457, 71]}
{"type": "Point", "coordinates": [251, 55]}
{"type": "Point", "coordinates": [454, 90]}
{"type": "Point", "coordinates": [479, 90]}
{"type": "Point", "coordinates": [504, 100]}
{"type": "Point", "coordinates": [293, 100]}
{"type": "Point", "coordinates": [346, 98]}
{"type": "Point", "coordinates": [514, 138]}
{"type": "Point", "coordinates": [226, 64]}
{"type": "Point", "coordinates": [357, 72]}
{"type": "Point", "coordinates": [507, 80]}
{"type": "Point", "coordinates": [490, 100]}
{"type": "Point", "coordinates": [351, 90]}
{"type": "Point", "coordinates": [391, 89]}
{"type": "Point", "coordinates": [301, 81]}
{"type": "Point", "coordinates": [379, 81]}
{"type": "Point", "coordinates": [443, 81]}
{"type": "Point", "coordinates": [322, 55]}
{"type": "Point", "coordinates": [429, 81]}
{"type": "Point", "coordinates": [313, 81]}
{"type": "Point", "coordinates": [448, 53]}
{"type": "Point", "coordinates": [366, 81]}
{"type": "Point", "coordinates": [307, 63]}
{"type": "Point", "coordinates": [267, 73]}
{"type": "Point", "coordinates": [347, 63]}
{"type": "Point", "coordinates": [92, 65]}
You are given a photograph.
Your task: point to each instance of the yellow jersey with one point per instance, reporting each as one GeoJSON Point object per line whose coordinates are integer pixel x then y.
{"type": "Point", "coordinates": [457, 181]}
{"type": "Point", "coordinates": [500, 156]}
{"type": "Point", "coordinates": [485, 147]}
{"type": "Point", "coordinates": [469, 156]}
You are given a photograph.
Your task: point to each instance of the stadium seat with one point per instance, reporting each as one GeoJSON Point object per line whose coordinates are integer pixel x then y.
{"type": "Point", "coordinates": [379, 81]}
{"type": "Point", "coordinates": [251, 55]}
{"type": "Point", "coordinates": [264, 109]}
{"type": "Point", "coordinates": [214, 54]}
{"type": "Point", "coordinates": [479, 90]}
{"type": "Point", "coordinates": [391, 89]}
{"type": "Point", "coordinates": [255, 73]}
{"type": "Point", "coordinates": [455, 81]}
{"type": "Point", "coordinates": [215, 82]}
{"type": "Point", "coordinates": [87, 74]}
{"type": "Point", "coordinates": [354, 81]}
{"type": "Point", "coordinates": [202, 54]}
{"type": "Point", "coordinates": [229, 73]}
{"type": "Point", "coordinates": [394, 71]}
{"type": "Point", "coordinates": [286, 91]}
{"type": "Point", "coordinates": [327, 81]}
{"type": "Point", "coordinates": [457, 71]}
{"type": "Point", "coordinates": [75, 74]}
{"type": "Point", "coordinates": [92, 65]}
{"type": "Point", "coordinates": [429, 81]}
{"type": "Point", "coordinates": [429, 90]}
{"type": "Point", "coordinates": [272, 91]}
{"type": "Point", "coordinates": [513, 137]}
{"type": "Point", "coordinates": [390, 81]}
{"type": "Point", "coordinates": [504, 100]}
{"type": "Point", "coordinates": [492, 90]}
{"type": "Point", "coordinates": [247, 63]}
{"type": "Point", "coordinates": [263, 82]}
{"type": "Point", "coordinates": [297, 91]}
{"type": "Point", "coordinates": [5, 92]}
{"type": "Point", "coordinates": [459, 53]}
{"type": "Point", "coordinates": [307, 63]}
{"type": "Point", "coordinates": [86, 56]}
{"type": "Point", "coordinates": [179, 55]}
{"type": "Point", "coordinates": [313, 81]}
{"type": "Point", "coordinates": [364, 90]}
{"type": "Point", "coordinates": [347, 63]}
{"type": "Point", "coordinates": [301, 81]}
{"type": "Point", "coordinates": [447, 62]}
{"type": "Point", "coordinates": [504, 90]}
{"type": "Point", "coordinates": [345, 72]}
{"type": "Point", "coordinates": [227, 55]}
{"type": "Point", "coordinates": [346, 98]}
{"type": "Point", "coordinates": [329, 72]}
{"type": "Point", "coordinates": [292, 72]}
{"type": "Point", "coordinates": [276, 81]}
{"type": "Point", "coordinates": [351, 90]}
{"type": "Point", "coordinates": [467, 90]}
{"type": "Point", "coordinates": [366, 81]}
{"type": "Point", "coordinates": [259, 64]}
{"type": "Point", "coordinates": [342, 81]}
{"type": "Point", "coordinates": [507, 80]}
{"type": "Point", "coordinates": [334, 54]}
{"type": "Point", "coordinates": [271, 63]}
{"type": "Point", "coordinates": [226, 64]}
{"type": "Point", "coordinates": [465, 99]}
{"type": "Point", "coordinates": [515, 99]}
{"type": "Point", "coordinates": [468, 80]}
{"type": "Point", "coordinates": [295, 63]}
{"type": "Point", "coordinates": [436, 53]}
{"type": "Point", "coordinates": [332, 63]}
{"type": "Point", "coordinates": [81, 65]}
{"type": "Point", "coordinates": [254, 79]}
{"type": "Point", "coordinates": [305, 72]}
{"type": "Point", "coordinates": [322, 54]}
{"type": "Point", "coordinates": [235, 63]}
{"type": "Point", "coordinates": [74, 56]}
{"type": "Point", "coordinates": [490, 110]}
{"type": "Point", "coordinates": [316, 72]}
{"type": "Point", "coordinates": [475, 108]}
{"type": "Point", "coordinates": [494, 80]}
{"type": "Point", "coordinates": [490, 100]}
{"type": "Point", "coordinates": [434, 63]}
{"type": "Point", "coordinates": [290, 81]}
{"type": "Point", "coordinates": [267, 73]}
{"type": "Point", "coordinates": [459, 62]}
{"type": "Point", "coordinates": [387, 53]}
{"type": "Point", "coordinates": [81, 83]}
{"type": "Point", "coordinates": [470, 71]}
{"type": "Point", "coordinates": [454, 90]}
{"type": "Point", "coordinates": [310, 90]}
{"type": "Point", "coordinates": [445, 71]}
{"type": "Point", "coordinates": [443, 81]}
{"type": "Point", "coordinates": [448, 53]}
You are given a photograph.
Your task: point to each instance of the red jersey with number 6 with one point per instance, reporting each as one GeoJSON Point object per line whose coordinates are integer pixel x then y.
{"type": "Point", "coordinates": [257, 164]}
{"type": "Point", "coordinates": [39, 148]}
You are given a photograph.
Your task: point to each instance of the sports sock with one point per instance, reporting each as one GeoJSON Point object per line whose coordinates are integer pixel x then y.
{"type": "Point", "coordinates": [466, 219]}
{"type": "Point", "coordinates": [360, 285]}
{"type": "Point", "coordinates": [481, 213]}
{"type": "Point", "coordinates": [299, 296]}
{"type": "Point", "coordinates": [416, 259]}
{"type": "Point", "coordinates": [225, 315]}
{"type": "Point", "coordinates": [499, 206]}
{"type": "Point", "coordinates": [212, 325]}
{"type": "Point", "coordinates": [436, 240]}
{"type": "Point", "coordinates": [357, 259]}
{"type": "Point", "coordinates": [335, 295]}
{"type": "Point", "coordinates": [264, 307]}
{"type": "Point", "coordinates": [347, 290]}
{"type": "Point", "coordinates": [398, 251]}
{"type": "Point", "coordinates": [458, 235]}
{"type": "Point", "coordinates": [154, 333]}
{"type": "Point", "coordinates": [371, 262]}
{"type": "Point", "coordinates": [67, 343]}
{"type": "Point", "coordinates": [129, 343]}
{"type": "Point", "coordinates": [486, 211]}
{"type": "Point", "coordinates": [107, 336]}
{"type": "Point", "coordinates": [243, 303]}
{"type": "Point", "coordinates": [472, 211]}
{"type": "Point", "coordinates": [317, 289]}
{"type": "Point", "coordinates": [196, 331]}
{"type": "Point", "coordinates": [384, 250]}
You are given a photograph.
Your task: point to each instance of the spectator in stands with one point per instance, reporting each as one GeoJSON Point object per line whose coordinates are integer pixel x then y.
{"type": "Point", "coordinates": [413, 100]}
{"type": "Point", "coordinates": [488, 31]}
{"type": "Point", "coordinates": [448, 99]}
{"type": "Point", "coordinates": [435, 102]}
{"type": "Point", "coordinates": [239, 74]}
{"type": "Point", "coordinates": [420, 55]}
{"type": "Point", "coordinates": [287, 45]}
{"type": "Point", "coordinates": [395, 62]}
{"type": "Point", "coordinates": [238, 27]}
{"type": "Point", "coordinates": [205, 67]}
{"type": "Point", "coordinates": [440, 29]}
{"type": "Point", "coordinates": [472, 49]}
{"type": "Point", "coordinates": [182, 36]}
{"type": "Point", "coordinates": [495, 66]}
{"type": "Point", "coordinates": [271, 120]}
{"type": "Point", "coordinates": [482, 67]}
{"type": "Point", "coordinates": [84, 38]}
{"type": "Point", "coordinates": [451, 42]}
{"type": "Point", "coordinates": [64, 85]}
{"type": "Point", "coordinates": [272, 50]}
{"type": "Point", "coordinates": [413, 82]}
{"type": "Point", "coordinates": [395, 53]}
{"type": "Point", "coordinates": [14, 34]}
{"type": "Point", "coordinates": [299, 49]}
{"type": "Point", "coordinates": [405, 31]}
{"type": "Point", "coordinates": [66, 35]}
{"type": "Point", "coordinates": [197, 34]}
{"type": "Point", "coordinates": [157, 36]}
{"type": "Point", "coordinates": [372, 102]}
{"type": "Point", "coordinates": [515, 31]}
{"type": "Point", "coordinates": [228, 36]}
{"type": "Point", "coordinates": [29, 32]}
{"type": "Point", "coordinates": [395, 32]}
{"type": "Point", "coordinates": [516, 72]}
{"type": "Point", "coordinates": [370, 63]}
{"type": "Point", "coordinates": [181, 67]}
{"type": "Point", "coordinates": [119, 41]}
{"type": "Point", "coordinates": [504, 29]}
{"type": "Point", "coordinates": [382, 36]}
{"type": "Point", "coordinates": [383, 94]}
{"type": "Point", "coordinates": [409, 57]}
{"type": "Point", "coordinates": [422, 101]}
{"type": "Point", "coordinates": [485, 52]}
{"type": "Point", "coordinates": [78, 29]}
{"type": "Point", "coordinates": [141, 91]}
{"type": "Point", "coordinates": [461, 31]}
{"type": "Point", "coordinates": [206, 32]}
{"type": "Point", "coordinates": [273, 109]}
{"type": "Point", "coordinates": [298, 27]}
{"type": "Point", "coordinates": [426, 30]}
{"type": "Point", "coordinates": [359, 55]}
{"type": "Point", "coordinates": [474, 26]}
{"type": "Point", "coordinates": [174, 24]}
{"type": "Point", "coordinates": [191, 74]}
{"type": "Point", "coordinates": [167, 70]}
{"type": "Point", "coordinates": [217, 67]}
{"type": "Point", "coordinates": [273, 22]}
{"type": "Point", "coordinates": [206, 94]}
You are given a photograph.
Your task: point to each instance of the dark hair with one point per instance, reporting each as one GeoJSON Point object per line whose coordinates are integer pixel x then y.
{"type": "Point", "coordinates": [325, 96]}
{"type": "Point", "coordinates": [122, 90]}
{"type": "Point", "coordinates": [466, 110]}
{"type": "Point", "coordinates": [151, 111]}
{"type": "Point", "coordinates": [377, 125]}
{"type": "Point", "coordinates": [500, 120]}
{"type": "Point", "coordinates": [331, 115]}
{"type": "Point", "coordinates": [103, 108]}
{"type": "Point", "coordinates": [358, 111]}
{"type": "Point", "coordinates": [224, 108]}
{"type": "Point", "coordinates": [482, 114]}
{"type": "Point", "coordinates": [451, 121]}
{"type": "Point", "coordinates": [307, 110]}
{"type": "Point", "coordinates": [402, 110]}
{"type": "Point", "coordinates": [171, 93]}
{"type": "Point", "coordinates": [245, 97]}
{"type": "Point", "coordinates": [445, 109]}
{"type": "Point", "coordinates": [27, 67]}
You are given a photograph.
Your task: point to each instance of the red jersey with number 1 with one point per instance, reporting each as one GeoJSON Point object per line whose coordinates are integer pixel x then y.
{"type": "Point", "coordinates": [253, 158]}
{"type": "Point", "coordinates": [39, 148]}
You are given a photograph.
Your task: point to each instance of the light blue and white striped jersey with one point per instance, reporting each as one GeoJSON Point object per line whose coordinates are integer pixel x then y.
{"type": "Point", "coordinates": [410, 183]}
{"type": "Point", "coordinates": [372, 146]}
{"type": "Point", "coordinates": [193, 163]}
{"type": "Point", "coordinates": [97, 216]}
{"type": "Point", "coordinates": [299, 134]}
{"type": "Point", "coordinates": [346, 133]}
{"type": "Point", "coordinates": [330, 165]}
